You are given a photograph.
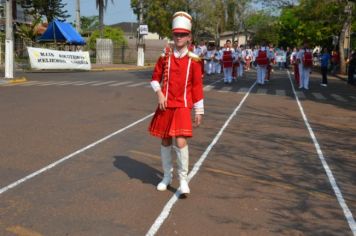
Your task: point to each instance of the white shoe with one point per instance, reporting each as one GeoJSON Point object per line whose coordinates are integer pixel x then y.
{"type": "Point", "coordinates": [324, 85]}
{"type": "Point", "coordinates": [162, 186]}
{"type": "Point", "coordinates": [184, 188]}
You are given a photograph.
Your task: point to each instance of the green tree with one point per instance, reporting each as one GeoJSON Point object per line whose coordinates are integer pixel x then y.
{"type": "Point", "coordinates": [89, 23]}
{"type": "Point", "coordinates": [317, 22]}
{"type": "Point", "coordinates": [264, 26]}
{"type": "Point", "coordinates": [51, 9]}
{"type": "Point", "coordinates": [101, 5]}
{"type": "Point", "coordinates": [28, 32]}
{"type": "Point", "coordinates": [115, 34]}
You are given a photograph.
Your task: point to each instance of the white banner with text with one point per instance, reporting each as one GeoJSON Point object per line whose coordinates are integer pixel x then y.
{"type": "Point", "coordinates": [42, 58]}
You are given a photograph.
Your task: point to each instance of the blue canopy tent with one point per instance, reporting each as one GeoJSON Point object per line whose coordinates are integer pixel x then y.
{"type": "Point", "coordinates": [58, 31]}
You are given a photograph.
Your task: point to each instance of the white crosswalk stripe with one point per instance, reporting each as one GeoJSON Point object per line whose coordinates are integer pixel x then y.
{"type": "Point", "coordinates": [208, 88]}
{"type": "Point", "coordinates": [242, 90]}
{"type": "Point", "coordinates": [49, 83]}
{"type": "Point", "coordinates": [280, 92]}
{"type": "Point", "coordinates": [338, 98]}
{"type": "Point", "coordinates": [29, 83]}
{"type": "Point", "coordinates": [226, 88]}
{"type": "Point", "coordinates": [261, 91]}
{"type": "Point", "coordinates": [137, 84]}
{"type": "Point", "coordinates": [71, 83]}
{"type": "Point", "coordinates": [300, 94]}
{"type": "Point", "coordinates": [121, 83]}
{"type": "Point", "coordinates": [85, 83]}
{"type": "Point", "coordinates": [8, 85]}
{"type": "Point", "coordinates": [61, 82]}
{"type": "Point", "coordinates": [102, 83]}
{"type": "Point", "coordinates": [353, 97]}
{"type": "Point", "coordinates": [66, 83]}
{"type": "Point", "coordinates": [319, 96]}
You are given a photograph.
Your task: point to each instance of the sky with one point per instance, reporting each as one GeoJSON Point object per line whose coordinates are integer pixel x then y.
{"type": "Point", "coordinates": [119, 11]}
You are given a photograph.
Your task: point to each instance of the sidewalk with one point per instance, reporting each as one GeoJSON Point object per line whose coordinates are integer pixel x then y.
{"type": "Point", "coordinates": [94, 68]}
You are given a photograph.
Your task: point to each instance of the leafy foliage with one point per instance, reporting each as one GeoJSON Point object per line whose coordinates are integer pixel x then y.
{"type": "Point", "coordinates": [28, 32]}
{"type": "Point", "coordinates": [51, 9]}
{"type": "Point", "coordinates": [115, 34]}
{"type": "Point", "coordinates": [89, 23]}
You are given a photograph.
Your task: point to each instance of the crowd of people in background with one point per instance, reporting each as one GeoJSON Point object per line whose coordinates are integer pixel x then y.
{"type": "Point", "coordinates": [232, 60]}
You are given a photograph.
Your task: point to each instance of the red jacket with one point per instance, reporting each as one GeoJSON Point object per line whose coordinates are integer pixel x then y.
{"type": "Point", "coordinates": [184, 86]}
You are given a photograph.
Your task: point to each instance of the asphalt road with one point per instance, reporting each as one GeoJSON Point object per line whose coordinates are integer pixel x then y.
{"type": "Point", "coordinates": [76, 158]}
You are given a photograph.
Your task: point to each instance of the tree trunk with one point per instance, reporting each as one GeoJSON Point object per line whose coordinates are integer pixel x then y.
{"type": "Point", "coordinates": [345, 37]}
{"type": "Point", "coordinates": [101, 18]}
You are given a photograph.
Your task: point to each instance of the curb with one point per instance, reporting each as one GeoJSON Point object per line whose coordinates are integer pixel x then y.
{"type": "Point", "coordinates": [21, 79]}
{"type": "Point", "coordinates": [15, 80]}
{"type": "Point", "coordinates": [121, 69]}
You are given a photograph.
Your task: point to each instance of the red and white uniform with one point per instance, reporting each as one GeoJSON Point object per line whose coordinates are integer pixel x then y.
{"type": "Point", "coordinates": [183, 89]}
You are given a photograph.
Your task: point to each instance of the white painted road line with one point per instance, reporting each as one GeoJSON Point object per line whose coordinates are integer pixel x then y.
{"type": "Point", "coordinates": [52, 165]}
{"type": "Point", "coordinates": [167, 208]}
{"type": "Point", "coordinates": [300, 94]}
{"type": "Point", "coordinates": [261, 91]}
{"type": "Point", "coordinates": [65, 83]}
{"type": "Point", "coordinates": [137, 84]}
{"type": "Point", "coordinates": [338, 98]}
{"type": "Point", "coordinates": [243, 90]}
{"type": "Point", "coordinates": [30, 83]}
{"type": "Point", "coordinates": [85, 83]}
{"type": "Point", "coordinates": [319, 96]}
{"type": "Point", "coordinates": [121, 83]}
{"type": "Point", "coordinates": [70, 83]}
{"type": "Point", "coordinates": [208, 88]}
{"type": "Point", "coordinates": [102, 83]}
{"type": "Point", "coordinates": [48, 83]}
{"type": "Point", "coordinates": [337, 191]}
{"type": "Point", "coordinates": [280, 92]}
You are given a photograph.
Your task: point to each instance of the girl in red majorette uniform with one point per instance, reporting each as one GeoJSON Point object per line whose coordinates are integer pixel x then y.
{"type": "Point", "coordinates": [177, 81]}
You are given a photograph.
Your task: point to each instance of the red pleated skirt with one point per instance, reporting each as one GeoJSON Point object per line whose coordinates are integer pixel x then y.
{"type": "Point", "coordinates": [172, 122]}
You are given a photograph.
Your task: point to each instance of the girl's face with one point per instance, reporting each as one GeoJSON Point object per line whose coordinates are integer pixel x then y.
{"type": "Point", "coordinates": [181, 39]}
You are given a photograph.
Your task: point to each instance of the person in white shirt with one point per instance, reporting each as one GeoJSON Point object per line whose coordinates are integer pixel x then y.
{"type": "Point", "coordinates": [303, 69]}
{"type": "Point", "coordinates": [262, 62]}
{"type": "Point", "coordinates": [217, 60]}
{"type": "Point", "coordinates": [227, 59]}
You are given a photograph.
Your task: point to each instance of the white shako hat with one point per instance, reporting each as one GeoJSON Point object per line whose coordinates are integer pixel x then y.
{"type": "Point", "coordinates": [182, 22]}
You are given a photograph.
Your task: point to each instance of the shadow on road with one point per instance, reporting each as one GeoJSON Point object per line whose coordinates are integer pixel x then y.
{"type": "Point", "coordinates": [139, 170]}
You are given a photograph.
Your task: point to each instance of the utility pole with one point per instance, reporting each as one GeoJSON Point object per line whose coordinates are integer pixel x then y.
{"type": "Point", "coordinates": [140, 51]}
{"type": "Point", "coordinates": [9, 42]}
{"type": "Point", "coordinates": [77, 25]}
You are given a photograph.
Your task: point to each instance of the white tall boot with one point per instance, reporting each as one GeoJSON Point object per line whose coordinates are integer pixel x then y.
{"type": "Point", "coordinates": [166, 158]}
{"type": "Point", "coordinates": [183, 165]}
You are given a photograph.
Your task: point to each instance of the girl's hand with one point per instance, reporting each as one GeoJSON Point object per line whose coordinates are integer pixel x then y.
{"type": "Point", "coordinates": [162, 101]}
{"type": "Point", "coordinates": [197, 120]}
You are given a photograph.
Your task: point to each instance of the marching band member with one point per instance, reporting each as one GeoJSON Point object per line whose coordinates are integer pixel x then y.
{"type": "Point", "coordinates": [262, 62]}
{"type": "Point", "coordinates": [209, 58]}
{"type": "Point", "coordinates": [177, 81]}
{"type": "Point", "coordinates": [248, 58]}
{"type": "Point", "coordinates": [217, 60]}
{"type": "Point", "coordinates": [293, 59]}
{"type": "Point", "coordinates": [227, 60]}
{"type": "Point", "coordinates": [242, 62]}
{"type": "Point", "coordinates": [201, 50]}
{"type": "Point", "coordinates": [305, 60]}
